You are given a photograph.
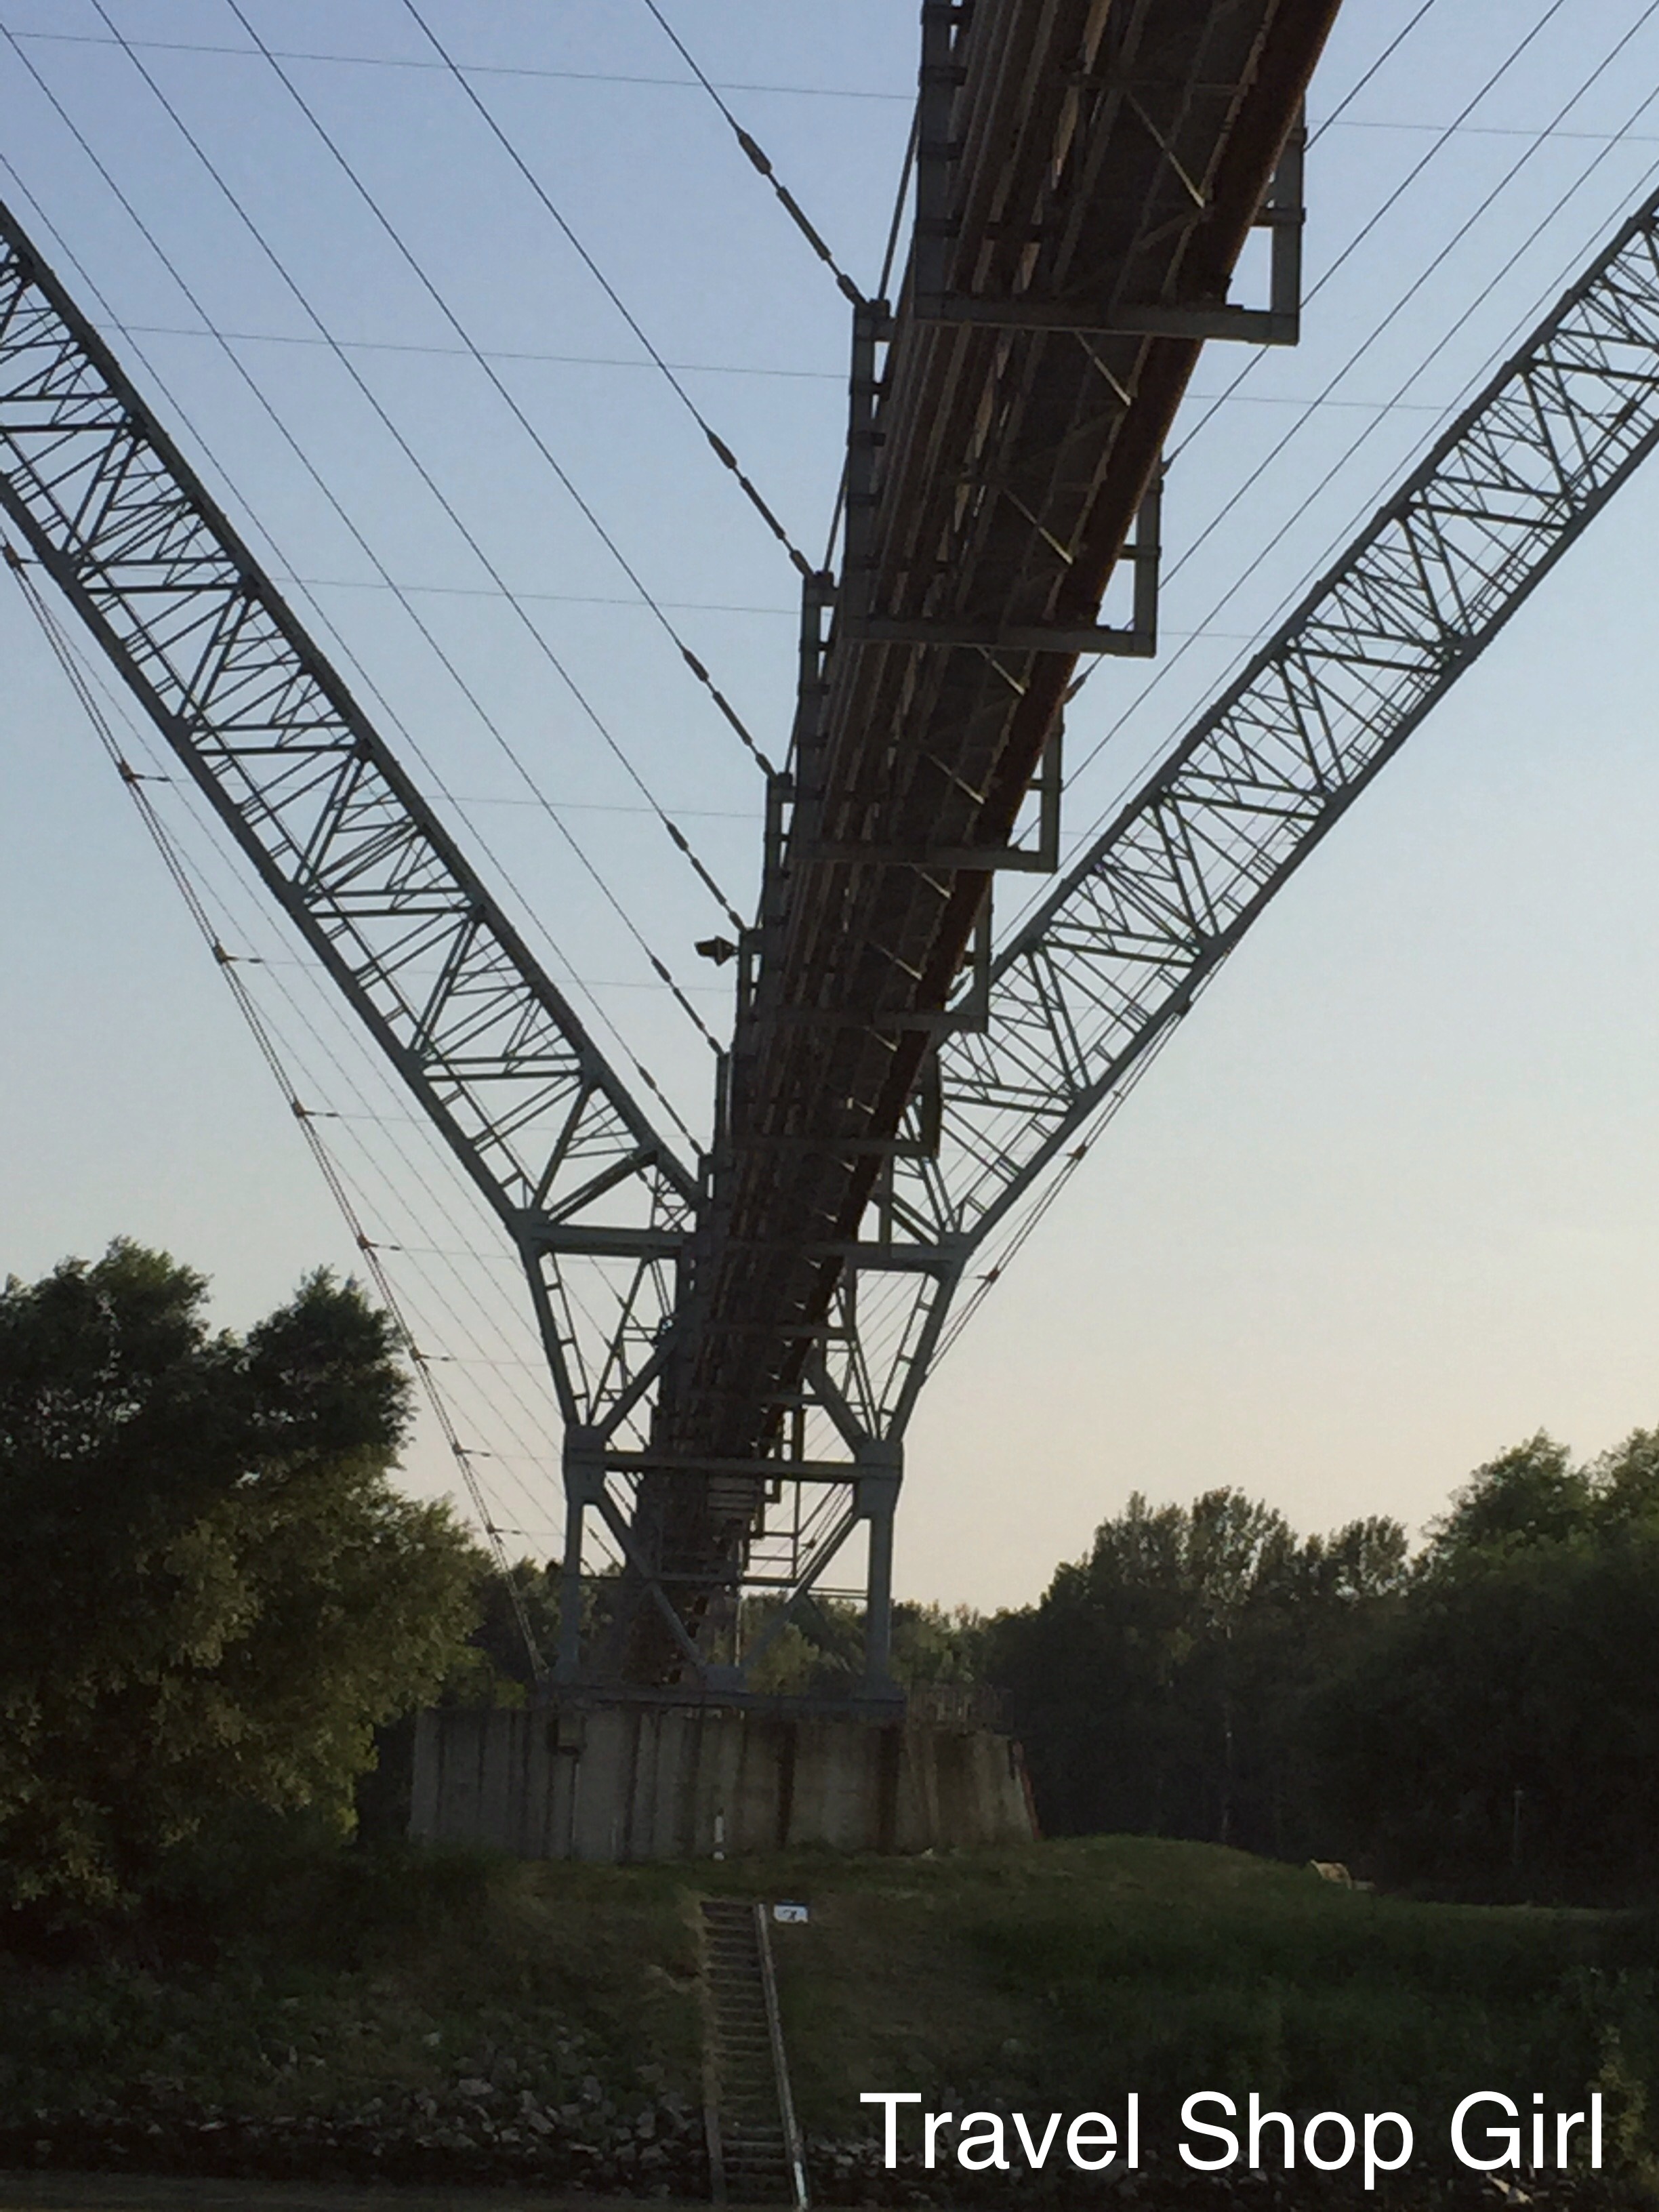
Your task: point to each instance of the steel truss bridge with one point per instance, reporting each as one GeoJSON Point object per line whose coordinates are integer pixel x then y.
{"type": "Point", "coordinates": [738, 1341]}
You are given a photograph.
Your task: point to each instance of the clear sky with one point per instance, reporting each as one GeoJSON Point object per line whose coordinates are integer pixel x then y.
{"type": "Point", "coordinates": [1388, 1203]}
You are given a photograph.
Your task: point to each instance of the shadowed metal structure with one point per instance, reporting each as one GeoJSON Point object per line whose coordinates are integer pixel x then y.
{"type": "Point", "coordinates": [738, 1344]}
{"type": "Point", "coordinates": [1087, 176]}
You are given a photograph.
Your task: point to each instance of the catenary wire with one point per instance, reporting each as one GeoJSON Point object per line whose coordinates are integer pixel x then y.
{"type": "Point", "coordinates": [583, 858]}
{"type": "Point", "coordinates": [697, 668]}
{"type": "Point", "coordinates": [1357, 403]}
{"type": "Point", "coordinates": [1041, 1201]}
{"type": "Point", "coordinates": [470, 69]}
{"type": "Point", "coordinates": [530, 72]}
{"type": "Point", "coordinates": [1550, 217]}
{"type": "Point", "coordinates": [491, 353]}
{"type": "Point", "coordinates": [364, 1200]}
{"type": "Point", "coordinates": [758, 160]}
{"type": "Point", "coordinates": [537, 799]}
{"type": "Point", "coordinates": [1367, 76]}
{"type": "Point", "coordinates": [1444, 138]}
{"type": "Point", "coordinates": [207, 826]}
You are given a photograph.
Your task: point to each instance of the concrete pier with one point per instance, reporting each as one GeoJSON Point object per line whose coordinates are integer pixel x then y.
{"type": "Point", "coordinates": [618, 1783]}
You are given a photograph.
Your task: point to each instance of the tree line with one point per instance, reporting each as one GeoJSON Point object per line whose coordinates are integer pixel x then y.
{"type": "Point", "coordinates": [217, 1605]}
{"type": "Point", "coordinates": [1481, 1720]}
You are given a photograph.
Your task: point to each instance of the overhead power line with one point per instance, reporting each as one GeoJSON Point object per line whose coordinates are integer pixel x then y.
{"type": "Point", "coordinates": [1205, 630]}
{"type": "Point", "coordinates": [292, 284]}
{"type": "Point", "coordinates": [488, 353]}
{"type": "Point", "coordinates": [658, 967]}
{"type": "Point", "coordinates": [1442, 141]}
{"type": "Point", "coordinates": [1382, 60]}
{"type": "Point", "coordinates": [1423, 275]}
{"type": "Point", "coordinates": [470, 69]}
{"type": "Point", "coordinates": [137, 743]}
{"type": "Point", "coordinates": [1390, 315]}
{"type": "Point", "coordinates": [519, 416]}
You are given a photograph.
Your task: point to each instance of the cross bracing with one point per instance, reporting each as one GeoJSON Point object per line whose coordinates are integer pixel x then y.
{"type": "Point", "coordinates": [1087, 178]}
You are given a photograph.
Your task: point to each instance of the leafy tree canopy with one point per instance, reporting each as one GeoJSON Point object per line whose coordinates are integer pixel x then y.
{"type": "Point", "coordinates": [1500, 1732]}
{"type": "Point", "coordinates": [1158, 1684]}
{"type": "Point", "coordinates": [1530, 1494]}
{"type": "Point", "coordinates": [211, 1592]}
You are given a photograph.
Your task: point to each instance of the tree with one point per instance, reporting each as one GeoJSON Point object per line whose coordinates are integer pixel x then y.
{"type": "Point", "coordinates": [211, 1592]}
{"type": "Point", "coordinates": [1528, 1495]}
{"type": "Point", "coordinates": [1500, 1734]}
{"type": "Point", "coordinates": [1159, 1685]}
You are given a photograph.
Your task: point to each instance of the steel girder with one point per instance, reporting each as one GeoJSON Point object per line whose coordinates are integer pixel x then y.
{"type": "Point", "coordinates": [1133, 142]}
{"type": "Point", "coordinates": [1013, 1065]}
{"type": "Point", "coordinates": [1115, 955]}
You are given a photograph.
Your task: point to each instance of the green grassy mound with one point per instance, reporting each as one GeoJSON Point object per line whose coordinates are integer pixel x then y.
{"type": "Point", "coordinates": [432, 2016]}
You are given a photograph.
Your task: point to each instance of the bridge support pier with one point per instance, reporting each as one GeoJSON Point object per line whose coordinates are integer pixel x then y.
{"type": "Point", "coordinates": [617, 1780]}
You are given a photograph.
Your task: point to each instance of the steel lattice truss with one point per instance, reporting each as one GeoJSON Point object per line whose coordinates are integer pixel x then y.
{"type": "Point", "coordinates": [342, 839]}
{"type": "Point", "coordinates": [1117, 951]}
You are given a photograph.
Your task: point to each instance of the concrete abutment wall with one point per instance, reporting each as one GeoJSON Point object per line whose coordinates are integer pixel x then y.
{"type": "Point", "coordinates": [626, 1782]}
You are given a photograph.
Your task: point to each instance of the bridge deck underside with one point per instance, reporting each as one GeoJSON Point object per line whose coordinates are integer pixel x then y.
{"type": "Point", "coordinates": [1106, 156]}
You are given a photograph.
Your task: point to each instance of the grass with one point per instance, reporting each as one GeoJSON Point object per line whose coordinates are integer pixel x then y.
{"type": "Point", "coordinates": [1062, 1977]}
{"type": "Point", "coordinates": [1055, 1977]}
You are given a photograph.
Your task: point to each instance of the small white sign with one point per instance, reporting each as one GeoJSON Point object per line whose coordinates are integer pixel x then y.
{"type": "Point", "coordinates": [792, 1913]}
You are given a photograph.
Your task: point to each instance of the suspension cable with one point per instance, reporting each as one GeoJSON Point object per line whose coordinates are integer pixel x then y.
{"type": "Point", "coordinates": [758, 161]}
{"type": "Point", "coordinates": [718, 446]}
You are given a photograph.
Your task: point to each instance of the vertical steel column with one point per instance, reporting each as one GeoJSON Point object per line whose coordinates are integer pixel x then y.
{"type": "Point", "coordinates": [1285, 215]}
{"type": "Point", "coordinates": [881, 1471]}
{"type": "Point", "coordinates": [872, 323]}
{"type": "Point", "coordinates": [583, 1468]}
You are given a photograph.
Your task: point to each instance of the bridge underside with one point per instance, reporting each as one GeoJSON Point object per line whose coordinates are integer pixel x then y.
{"type": "Point", "coordinates": [1089, 172]}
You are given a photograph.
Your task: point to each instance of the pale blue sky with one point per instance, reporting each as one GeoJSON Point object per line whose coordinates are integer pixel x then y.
{"type": "Point", "coordinates": [1389, 1201]}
